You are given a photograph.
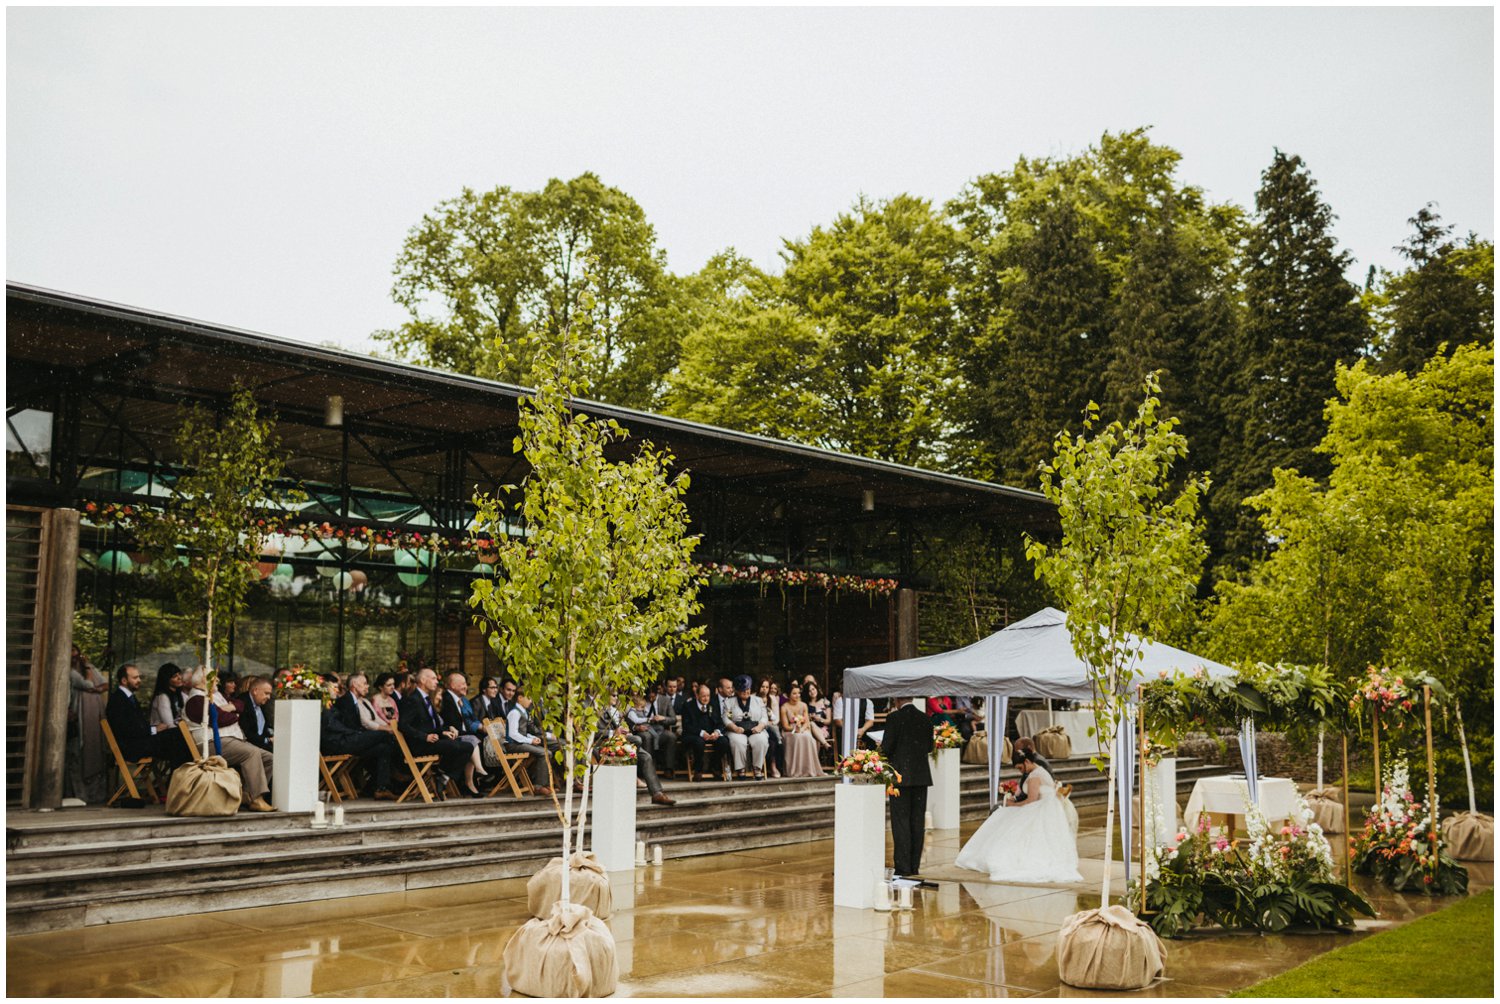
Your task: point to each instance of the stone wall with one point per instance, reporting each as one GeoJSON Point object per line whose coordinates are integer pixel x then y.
{"type": "Point", "coordinates": [1277, 756]}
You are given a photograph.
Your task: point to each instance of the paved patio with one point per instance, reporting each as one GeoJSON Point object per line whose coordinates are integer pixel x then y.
{"type": "Point", "coordinates": [758, 923]}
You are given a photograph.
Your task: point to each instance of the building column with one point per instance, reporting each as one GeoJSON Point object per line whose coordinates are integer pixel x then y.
{"type": "Point", "coordinates": [906, 624]}
{"type": "Point", "coordinates": [47, 715]}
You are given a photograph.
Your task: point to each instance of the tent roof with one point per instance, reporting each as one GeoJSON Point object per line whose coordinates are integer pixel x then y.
{"type": "Point", "coordinates": [1031, 658]}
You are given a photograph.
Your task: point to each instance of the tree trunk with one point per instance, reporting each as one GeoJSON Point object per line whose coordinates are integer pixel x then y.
{"type": "Point", "coordinates": [208, 673]}
{"type": "Point", "coordinates": [567, 800]}
{"type": "Point", "coordinates": [1109, 823]}
{"type": "Point", "coordinates": [1463, 744]}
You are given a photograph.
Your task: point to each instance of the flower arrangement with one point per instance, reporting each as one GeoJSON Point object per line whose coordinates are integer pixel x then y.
{"type": "Point", "coordinates": [483, 548]}
{"type": "Point", "coordinates": [1401, 847]}
{"type": "Point", "coordinates": [302, 684]}
{"type": "Point", "coordinates": [1011, 787]}
{"type": "Point", "coordinates": [617, 751]}
{"type": "Point", "coordinates": [946, 737]}
{"type": "Point", "coordinates": [1283, 877]}
{"type": "Point", "coordinates": [1382, 692]}
{"type": "Point", "coordinates": [870, 766]}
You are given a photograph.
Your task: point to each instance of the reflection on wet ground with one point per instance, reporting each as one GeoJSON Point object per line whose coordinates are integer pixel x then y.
{"type": "Point", "coordinates": [749, 924]}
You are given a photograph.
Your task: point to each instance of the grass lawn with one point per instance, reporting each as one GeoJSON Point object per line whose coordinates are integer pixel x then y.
{"type": "Point", "coordinates": [1446, 954]}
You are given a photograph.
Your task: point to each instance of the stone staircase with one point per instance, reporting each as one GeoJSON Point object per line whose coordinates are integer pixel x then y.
{"type": "Point", "coordinates": [93, 866]}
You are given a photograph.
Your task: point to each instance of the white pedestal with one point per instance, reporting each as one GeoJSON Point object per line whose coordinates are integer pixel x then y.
{"type": "Point", "coordinates": [294, 775]}
{"type": "Point", "coordinates": [612, 822]}
{"type": "Point", "coordinates": [1164, 780]}
{"type": "Point", "coordinates": [858, 843]}
{"type": "Point", "coordinates": [942, 799]}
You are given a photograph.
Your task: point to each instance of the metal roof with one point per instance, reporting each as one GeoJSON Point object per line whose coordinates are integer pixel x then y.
{"type": "Point", "coordinates": [67, 335]}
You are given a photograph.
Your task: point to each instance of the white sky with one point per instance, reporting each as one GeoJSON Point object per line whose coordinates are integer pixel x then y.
{"type": "Point", "coordinates": [259, 168]}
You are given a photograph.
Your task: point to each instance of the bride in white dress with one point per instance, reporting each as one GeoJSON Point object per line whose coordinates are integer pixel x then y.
{"type": "Point", "coordinates": [1025, 840]}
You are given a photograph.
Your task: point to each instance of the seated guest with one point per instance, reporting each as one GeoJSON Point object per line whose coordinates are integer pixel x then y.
{"type": "Point", "coordinates": [166, 698]}
{"type": "Point", "coordinates": [611, 723]}
{"type": "Point", "coordinates": [136, 738]}
{"type": "Point", "coordinates": [801, 747]}
{"type": "Point", "coordinates": [229, 685]}
{"type": "Point", "coordinates": [255, 708]}
{"type": "Point", "coordinates": [253, 763]}
{"type": "Point", "coordinates": [387, 704]}
{"type": "Point", "coordinates": [671, 701]}
{"type": "Point", "coordinates": [746, 722]}
{"type": "Point", "coordinates": [487, 704]}
{"type": "Point", "coordinates": [406, 684]}
{"type": "Point", "coordinates": [345, 731]}
{"type": "Point", "coordinates": [655, 731]}
{"type": "Point", "coordinates": [508, 691]}
{"type": "Point", "coordinates": [819, 717]}
{"type": "Point", "coordinates": [523, 736]}
{"type": "Point", "coordinates": [703, 732]}
{"type": "Point", "coordinates": [459, 714]}
{"type": "Point", "coordinates": [421, 723]}
{"type": "Point", "coordinates": [357, 710]}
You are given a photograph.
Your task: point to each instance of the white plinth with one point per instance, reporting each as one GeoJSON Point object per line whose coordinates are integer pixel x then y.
{"type": "Point", "coordinates": [294, 775]}
{"type": "Point", "coordinates": [612, 826]}
{"type": "Point", "coordinates": [1164, 779]}
{"type": "Point", "coordinates": [942, 798]}
{"type": "Point", "coordinates": [858, 843]}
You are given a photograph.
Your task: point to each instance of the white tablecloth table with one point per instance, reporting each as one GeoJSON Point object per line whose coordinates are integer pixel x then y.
{"type": "Point", "coordinates": [1226, 796]}
{"type": "Point", "coordinates": [1075, 723]}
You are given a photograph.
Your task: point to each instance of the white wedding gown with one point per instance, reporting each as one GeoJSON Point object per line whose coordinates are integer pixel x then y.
{"type": "Point", "coordinates": [1030, 842]}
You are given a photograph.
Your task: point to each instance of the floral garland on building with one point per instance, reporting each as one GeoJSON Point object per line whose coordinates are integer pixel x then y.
{"type": "Point", "coordinates": [126, 516]}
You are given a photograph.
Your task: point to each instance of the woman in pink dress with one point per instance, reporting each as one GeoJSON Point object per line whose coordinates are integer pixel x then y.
{"type": "Point", "coordinates": [798, 743]}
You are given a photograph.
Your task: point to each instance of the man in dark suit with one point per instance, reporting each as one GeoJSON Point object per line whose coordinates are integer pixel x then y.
{"type": "Point", "coordinates": [422, 724]}
{"type": "Point", "coordinates": [127, 720]}
{"type": "Point", "coordinates": [906, 744]}
{"type": "Point", "coordinates": [487, 705]}
{"type": "Point", "coordinates": [703, 731]}
{"type": "Point", "coordinates": [255, 717]}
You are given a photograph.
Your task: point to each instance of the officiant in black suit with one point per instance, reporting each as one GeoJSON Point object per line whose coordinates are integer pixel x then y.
{"type": "Point", "coordinates": [906, 744]}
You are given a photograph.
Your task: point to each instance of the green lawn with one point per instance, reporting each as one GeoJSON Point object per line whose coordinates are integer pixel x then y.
{"type": "Point", "coordinates": [1446, 954]}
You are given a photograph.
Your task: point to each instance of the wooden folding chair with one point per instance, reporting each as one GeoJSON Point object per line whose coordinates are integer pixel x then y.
{"type": "Point", "coordinates": [335, 776]}
{"type": "Point", "coordinates": [131, 771]}
{"type": "Point", "coordinates": [494, 731]}
{"type": "Point", "coordinates": [192, 742]}
{"type": "Point", "coordinates": [418, 767]}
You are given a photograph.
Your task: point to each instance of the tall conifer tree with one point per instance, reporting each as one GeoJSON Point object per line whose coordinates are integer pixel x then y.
{"type": "Point", "coordinates": [1446, 297]}
{"type": "Point", "coordinates": [1302, 319]}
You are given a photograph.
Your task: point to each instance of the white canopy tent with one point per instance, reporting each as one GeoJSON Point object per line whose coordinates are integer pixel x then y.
{"type": "Point", "coordinates": [1033, 658]}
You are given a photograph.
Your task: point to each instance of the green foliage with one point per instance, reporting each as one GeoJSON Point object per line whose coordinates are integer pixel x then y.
{"type": "Point", "coordinates": [1302, 319]}
{"type": "Point", "coordinates": [215, 515]}
{"type": "Point", "coordinates": [1399, 962]}
{"type": "Point", "coordinates": [1446, 298]}
{"type": "Point", "coordinates": [597, 594]}
{"type": "Point", "coordinates": [1390, 562]}
{"type": "Point", "coordinates": [1282, 698]}
{"type": "Point", "coordinates": [1130, 553]}
{"type": "Point", "coordinates": [577, 256]}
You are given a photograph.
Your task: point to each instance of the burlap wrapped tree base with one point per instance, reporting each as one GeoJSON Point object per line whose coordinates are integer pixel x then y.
{"type": "Point", "coordinates": [587, 886]}
{"type": "Point", "coordinates": [570, 954]}
{"type": "Point", "coordinates": [1108, 949]}
{"type": "Point", "coordinates": [1327, 807]}
{"type": "Point", "coordinates": [1470, 836]}
{"type": "Point", "coordinates": [1053, 743]}
{"type": "Point", "coordinates": [208, 787]}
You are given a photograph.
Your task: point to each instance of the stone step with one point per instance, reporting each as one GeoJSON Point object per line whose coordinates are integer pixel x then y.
{"type": "Point", "coordinates": [56, 880]}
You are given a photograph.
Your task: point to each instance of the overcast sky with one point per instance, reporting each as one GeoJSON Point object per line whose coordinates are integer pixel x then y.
{"type": "Point", "coordinates": [259, 168]}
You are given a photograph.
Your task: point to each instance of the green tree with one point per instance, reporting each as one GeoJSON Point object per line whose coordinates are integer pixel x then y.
{"type": "Point", "coordinates": [486, 268]}
{"type": "Point", "coordinates": [874, 285]}
{"type": "Point", "coordinates": [1391, 560]}
{"type": "Point", "coordinates": [1131, 552]}
{"type": "Point", "coordinates": [1073, 278]}
{"type": "Point", "coordinates": [596, 595]}
{"type": "Point", "coordinates": [209, 533]}
{"type": "Point", "coordinates": [749, 361]}
{"type": "Point", "coordinates": [1446, 296]}
{"type": "Point", "coordinates": [1302, 319]}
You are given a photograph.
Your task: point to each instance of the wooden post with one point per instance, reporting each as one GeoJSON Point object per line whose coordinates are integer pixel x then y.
{"type": "Point", "coordinates": [46, 736]}
{"type": "Point", "coordinates": [1140, 714]}
{"type": "Point", "coordinates": [1431, 771]}
{"type": "Point", "coordinates": [1375, 716]}
{"type": "Point", "coordinates": [1349, 826]}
